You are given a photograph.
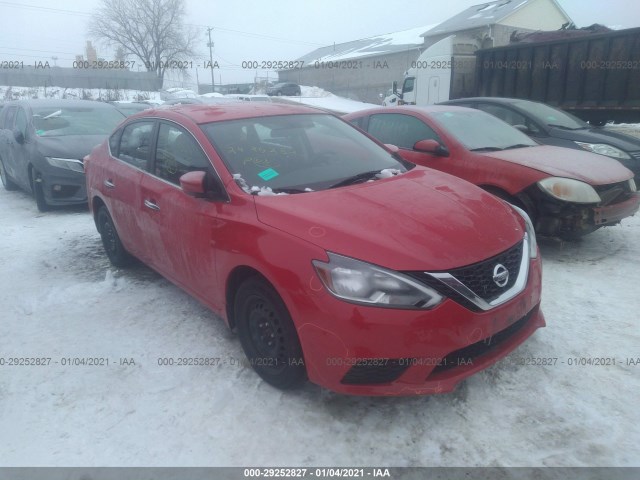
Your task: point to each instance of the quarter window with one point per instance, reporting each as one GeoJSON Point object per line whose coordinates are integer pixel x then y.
{"type": "Point", "coordinates": [178, 153]}
{"type": "Point", "coordinates": [400, 130]}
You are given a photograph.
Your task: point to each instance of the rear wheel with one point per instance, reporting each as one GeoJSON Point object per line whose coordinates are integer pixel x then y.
{"type": "Point", "coordinates": [6, 180]}
{"type": "Point", "coordinates": [267, 334]}
{"type": "Point", "coordinates": [113, 247]}
{"type": "Point", "coordinates": [38, 192]}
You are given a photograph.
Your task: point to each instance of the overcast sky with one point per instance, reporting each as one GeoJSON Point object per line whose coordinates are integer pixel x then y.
{"type": "Point", "coordinates": [37, 30]}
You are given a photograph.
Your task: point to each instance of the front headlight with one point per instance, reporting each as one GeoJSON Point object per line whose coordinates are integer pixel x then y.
{"type": "Point", "coordinates": [569, 190]}
{"type": "Point", "coordinates": [632, 185]}
{"type": "Point", "coordinates": [361, 282]}
{"type": "Point", "coordinates": [605, 149]}
{"type": "Point", "coordinates": [531, 234]}
{"type": "Point", "coordinates": [68, 163]}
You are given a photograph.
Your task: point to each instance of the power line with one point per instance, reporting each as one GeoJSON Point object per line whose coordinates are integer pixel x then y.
{"type": "Point", "coordinates": [48, 9]}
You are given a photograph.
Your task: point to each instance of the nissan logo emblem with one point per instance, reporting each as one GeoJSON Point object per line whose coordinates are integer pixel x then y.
{"type": "Point", "coordinates": [500, 275]}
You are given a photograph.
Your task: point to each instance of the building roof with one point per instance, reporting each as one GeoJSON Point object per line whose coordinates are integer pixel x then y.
{"type": "Point", "coordinates": [372, 46]}
{"type": "Point", "coordinates": [481, 15]}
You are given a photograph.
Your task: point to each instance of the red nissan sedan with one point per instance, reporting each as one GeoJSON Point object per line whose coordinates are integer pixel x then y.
{"type": "Point", "coordinates": [333, 259]}
{"type": "Point", "coordinates": [567, 193]}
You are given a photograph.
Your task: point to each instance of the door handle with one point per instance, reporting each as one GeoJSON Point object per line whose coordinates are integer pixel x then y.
{"type": "Point", "coordinates": [109, 184]}
{"type": "Point", "coordinates": [151, 205]}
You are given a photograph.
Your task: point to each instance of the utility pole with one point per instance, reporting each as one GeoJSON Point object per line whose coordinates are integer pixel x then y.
{"type": "Point", "coordinates": [210, 45]}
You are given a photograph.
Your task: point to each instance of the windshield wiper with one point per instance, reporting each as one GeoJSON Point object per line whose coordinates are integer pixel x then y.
{"type": "Point", "coordinates": [488, 149]}
{"type": "Point", "coordinates": [564, 127]}
{"type": "Point", "coordinates": [288, 190]}
{"type": "Point", "coordinates": [518, 145]}
{"type": "Point", "coordinates": [360, 177]}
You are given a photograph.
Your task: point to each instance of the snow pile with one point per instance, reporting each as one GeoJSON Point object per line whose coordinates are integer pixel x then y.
{"type": "Point", "coordinates": [265, 191]}
{"type": "Point", "coordinates": [388, 173]}
{"type": "Point", "coordinates": [314, 92]}
{"type": "Point", "coordinates": [320, 98]}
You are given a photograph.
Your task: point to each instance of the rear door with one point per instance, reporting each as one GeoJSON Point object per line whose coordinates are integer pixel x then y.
{"type": "Point", "coordinates": [179, 228]}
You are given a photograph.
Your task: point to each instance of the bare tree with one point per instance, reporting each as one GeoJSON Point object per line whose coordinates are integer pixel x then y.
{"type": "Point", "coordinates": [151, 30]}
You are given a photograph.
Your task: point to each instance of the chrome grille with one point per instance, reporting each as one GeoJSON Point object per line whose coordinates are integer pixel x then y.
{"type": "Point", "coordinates": [474, 287]}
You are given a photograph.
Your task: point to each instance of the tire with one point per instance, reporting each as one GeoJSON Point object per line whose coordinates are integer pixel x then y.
{"type": "Point", "coordinates": [6, 180]}
{"type": "Point", "coordinates": [113, 247]}
{"type": "Point", "coordinates": [267, 334]}
{"type": "Point", "coordinates": [38, 193]}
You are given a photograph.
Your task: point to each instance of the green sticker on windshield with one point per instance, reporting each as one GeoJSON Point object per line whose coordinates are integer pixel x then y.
{"type": "Point", "coordinates": [268, 174]}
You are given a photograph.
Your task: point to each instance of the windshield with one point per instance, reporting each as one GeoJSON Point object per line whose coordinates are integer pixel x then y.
{"type": "Point", "coordinates": [297, 152]}
{"type": "Point", "coordinates": [61, 120]}
{"type": "Point", "coordinates": [552, 116]}
{"type": "Point", "coordinates": [478, 130]}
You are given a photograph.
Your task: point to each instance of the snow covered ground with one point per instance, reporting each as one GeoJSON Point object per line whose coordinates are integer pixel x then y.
{"type": "Point", "coordinates": [317, 97]}
{"type": "Point", "coordinates": [60, 299]}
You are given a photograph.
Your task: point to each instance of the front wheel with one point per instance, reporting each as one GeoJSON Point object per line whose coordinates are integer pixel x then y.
{"type": "Point", "coordinates": [267, 334]}
{"type": "Point", "coordinates": [113, 247]}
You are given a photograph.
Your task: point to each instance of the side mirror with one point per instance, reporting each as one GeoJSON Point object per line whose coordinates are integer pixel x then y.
{"type": "Point", "coordinates": [431, 146]}
{"type": "Point", "coordinates": [522, 128]}
{"type": "Point", "coordinates": [19, 136]}
{"type": "Point", "coordinates": [200, 184]}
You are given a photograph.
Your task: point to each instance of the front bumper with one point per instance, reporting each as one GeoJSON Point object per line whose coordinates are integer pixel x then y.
{"type": "Point", "coordinates": [556, 218]}
{"type": "Point", "coordinates": [60, 185]}
{"type": "Point", "coordinates": [361, 350]}
{"type": "Point", "coordinates": [612, 214]}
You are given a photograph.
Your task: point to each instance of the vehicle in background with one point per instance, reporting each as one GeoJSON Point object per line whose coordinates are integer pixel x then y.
{"type": "Point", "coordinates": [43, 143]}
{"type": "Point", "coordinates": [591, 76]}
{"type": "Point", "coordinates": [129, 108]}
{"type": "Point", "coordinates": [277, 217]}
{"type": "Point", "coordinates": [553, 126]}
{"type": "Point", "coordinates": [567, 193]}
{"type": "Point", "coordinates": [287, 89]}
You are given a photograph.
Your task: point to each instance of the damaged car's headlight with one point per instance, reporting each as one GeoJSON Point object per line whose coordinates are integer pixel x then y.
{"type": "Point", "coordinates": [605, 149]}
{"type": "Point", "coordinates": [569, 190]}
{"type": "Point", "coordinates": [360, 282]}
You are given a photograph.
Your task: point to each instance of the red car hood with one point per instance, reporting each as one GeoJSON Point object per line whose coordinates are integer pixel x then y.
{"type": "Point", "coordinates": [421, 220]}
{"type": "Point", "coordinates": [567, 162]}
